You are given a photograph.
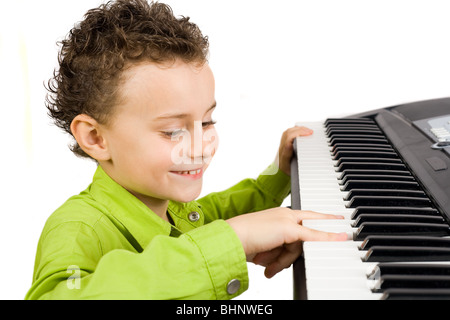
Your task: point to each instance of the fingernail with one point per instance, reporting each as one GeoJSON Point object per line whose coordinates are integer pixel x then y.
{"type": "Point", "coordinates": [343, 236]}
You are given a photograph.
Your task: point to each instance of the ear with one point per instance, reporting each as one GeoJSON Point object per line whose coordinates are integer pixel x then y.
{"type": "Point", "coordinates": [87, 132]}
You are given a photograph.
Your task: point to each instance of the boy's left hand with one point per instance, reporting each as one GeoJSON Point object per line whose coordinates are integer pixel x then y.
{"type": "Point", "coordinates": [286, 148]}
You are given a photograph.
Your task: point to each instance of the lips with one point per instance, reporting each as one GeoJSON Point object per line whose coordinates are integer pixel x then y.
{"type": "Point", "coordinates": [191, 172]}
{"type": "Point", "coordinates": [196, 173]}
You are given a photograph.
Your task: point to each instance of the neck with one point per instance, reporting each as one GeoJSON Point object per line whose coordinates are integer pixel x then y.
{"type": "Point", "coordinates": [158, 206]}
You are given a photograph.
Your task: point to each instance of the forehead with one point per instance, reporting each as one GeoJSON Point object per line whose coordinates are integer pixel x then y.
{"type": "Point", "coordinates": [176, 87]}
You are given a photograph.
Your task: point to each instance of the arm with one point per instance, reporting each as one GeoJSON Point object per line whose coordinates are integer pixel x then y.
{"type": "Point", "coordinates": [197, 265]}
{"type": "Point", "coordinates": [250, 195]}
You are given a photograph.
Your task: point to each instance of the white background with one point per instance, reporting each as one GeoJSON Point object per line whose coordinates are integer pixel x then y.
{"type": "Point", "coordinates": [275, 63]}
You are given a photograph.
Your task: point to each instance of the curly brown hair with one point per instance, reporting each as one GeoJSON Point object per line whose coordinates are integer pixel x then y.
{"type": "Point", "coordinates": [111, 38]}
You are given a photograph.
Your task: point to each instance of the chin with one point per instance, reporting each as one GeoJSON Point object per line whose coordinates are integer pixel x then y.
{"type": "Point", "coordinates": [187, 196]}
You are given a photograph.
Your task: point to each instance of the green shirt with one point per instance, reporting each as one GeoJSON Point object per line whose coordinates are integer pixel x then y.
{"type": "Point", "coordinates": [106, 244]}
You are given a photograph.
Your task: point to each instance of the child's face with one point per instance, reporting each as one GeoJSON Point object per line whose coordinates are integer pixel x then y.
{"type": "Point", "coordinates": [161, 137]}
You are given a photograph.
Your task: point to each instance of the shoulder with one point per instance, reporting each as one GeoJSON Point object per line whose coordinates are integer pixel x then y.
{"type": "Point", "coordinates": [81, 208]}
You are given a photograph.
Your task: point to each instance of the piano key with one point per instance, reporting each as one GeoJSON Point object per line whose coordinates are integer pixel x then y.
{"type": "Point", "coordinates": [378, 148]}
{"type": "Point", "coordinates": [403, 253]}
{"type": "Point", "coordinates": [382, 269]}
{"type": "Point", "coordinates": [394, 210]}
{"type": "Point", "coordinates": [332, 131]}
{"type": "Point", "coordinates": [416, 294]}
{"type": "Point", "coordinates": [396, 218]}
{"type": "Point", "coordinates": [371, 161]}
{"type": "Point", "coordinates": [341, 175]}
{"type": "Point", "coordinates": [412, 281]}
{"type": "Point", "coordinates": [352, 126]}
{"type": "Point", "coordinates": [384, 192]}
{"type": "Point", "coordinates": [357, 177]}
{"type": "Point", "coordinates": [360, 145]}
{"type": "Point", "coordinates": [408, 241]}
{"type": "Point", "coordinates": [370, 166]}
{"type": "Point", "coordinates": [380, 184]}
{"type": "Point", "coordinates": [364, 154]}
{"type": "Point", "coordinates": [373, 201]}
{"type": "Point", "coordinates": [401, 228]}
{"type": "Point", "coordinates": [366, 125]}
{"type": "Point", "coordinates": [350, 121]}
{"type": "Point", "coordinates": [360, 139]}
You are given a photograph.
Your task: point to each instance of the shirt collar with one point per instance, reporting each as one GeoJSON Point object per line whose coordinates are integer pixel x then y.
{"type": "Point", "coordinates": [141, 222]}
{"type": "Point", "coordinates": [135, 217]}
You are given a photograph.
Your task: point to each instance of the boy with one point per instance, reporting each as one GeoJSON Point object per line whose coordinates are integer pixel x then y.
{"type": "Point", "coordinates": [135, 91]}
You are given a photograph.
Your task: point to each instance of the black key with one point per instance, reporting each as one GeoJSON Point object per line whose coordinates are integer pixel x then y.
{"type": "Point", "coordinates": [401, 228]}
{"type": "Point", "coordinates": [354, 177]}
{"type": "Point", "coordinates": [375, 172]}
{"type": "Point", "coordinates": [368, 149]}
{"type": "Point", "coordinates": [361, 145]}
{"type": "Point", "coordinates": [337, 141]}
{"type": "Point", "coordinates": [352, 127]}
{"type": "Point", "coordinates": [407, 241]}
{"type": "Point", "coordinates": [370, 166]}
{"type": "Point", "coordinates": [365, 138]}
{"type": "Point", "coordinates": [349, 121]}
{"type": "Point", "coordinates": [365, 154]}
{"type": "Point", "coordinates": [384, 192]}
{"type": "Point", "coordinates": [331, 132]}
{"type": "Point", "coordinates": [406, 254]}
{"type": "Point", "coordinates": [412, 281]}
{"type": "Point", "coordinates": [396, 218]}
{"type": "Point", "coordinates": [430, 269]}
{"type": "Point", "coordinates": [368, 160]}
{"type": "Point", "coordinates": [416, 294]}
{"type": "Point", "coordinates": [373, 201]}
{"type": "Point", "coordinates": [380, 184]}
{"type": "Point", "coordinates": [394, 210]}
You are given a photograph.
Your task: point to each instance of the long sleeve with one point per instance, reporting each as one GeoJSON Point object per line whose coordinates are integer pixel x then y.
{"type": "Point", "coordinates": [197, 265]}
{"type": "Point", "coordinates": [267, 191]}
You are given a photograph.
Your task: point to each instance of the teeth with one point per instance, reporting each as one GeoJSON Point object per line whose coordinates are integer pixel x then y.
{"type": "Point", "coordinates": [191, 172]}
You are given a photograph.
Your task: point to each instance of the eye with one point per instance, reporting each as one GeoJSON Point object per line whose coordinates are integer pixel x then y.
{"type": "Point", "coordinates": [174, 134]}
{"type": "Point", "coordinates": [207, 124]}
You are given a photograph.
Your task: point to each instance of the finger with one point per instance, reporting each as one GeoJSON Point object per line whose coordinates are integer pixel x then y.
{"type": "Point", "coordinates": [307, 234]}
{"type": "Point", "coordinates": [309, 215]}
{"type": "Point", "coordinates": [284, 260]}
{"type": "Point", "coordinates": [265, 258]}
{"type": "Point", "coordinates": [303, 131]}
{"type": "Point", "coordinates": [292, 133]}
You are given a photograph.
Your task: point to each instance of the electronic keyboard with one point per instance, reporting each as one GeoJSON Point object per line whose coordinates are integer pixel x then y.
{"type": "Point", "coordinates": [387, 172]}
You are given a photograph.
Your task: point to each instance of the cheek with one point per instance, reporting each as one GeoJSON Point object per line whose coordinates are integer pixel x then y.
{"type": "Point", "coordinates": [163, 154]}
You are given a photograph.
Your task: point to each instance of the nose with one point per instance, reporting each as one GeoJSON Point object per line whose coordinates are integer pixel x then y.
{"type": "Point", "coordinates": [203, 144]}
{"type": "Point", "coordinates": [195, 152]}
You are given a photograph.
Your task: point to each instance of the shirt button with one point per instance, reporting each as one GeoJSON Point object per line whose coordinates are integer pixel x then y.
{"type": "Point", "coordinates": [233, 286]}
{"type": "Point", "coordinates": [194, 216]}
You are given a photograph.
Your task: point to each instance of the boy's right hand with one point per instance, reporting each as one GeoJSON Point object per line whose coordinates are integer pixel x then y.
{"type": "Point", "coordinates": [273, 237]}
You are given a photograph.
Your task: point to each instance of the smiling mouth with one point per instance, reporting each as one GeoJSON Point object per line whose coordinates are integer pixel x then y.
{"type": "Point", "coordinates": [190, 173]}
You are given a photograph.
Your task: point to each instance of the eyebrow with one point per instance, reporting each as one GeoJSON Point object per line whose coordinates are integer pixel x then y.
{"type": "Point", "coordinates": [181, 115]}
